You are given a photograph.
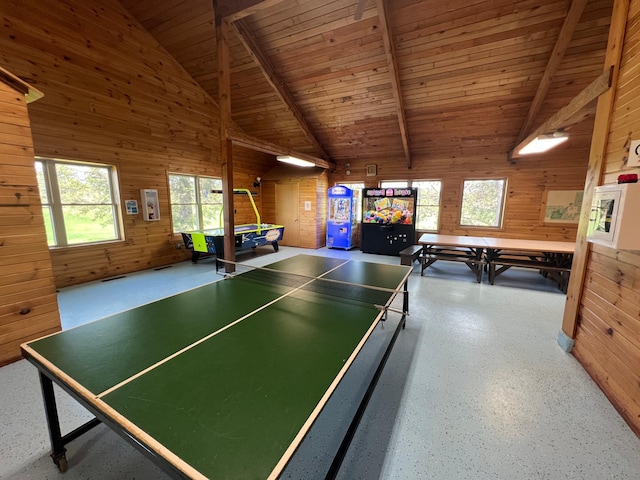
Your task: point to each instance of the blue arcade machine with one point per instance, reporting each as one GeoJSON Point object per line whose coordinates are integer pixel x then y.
{"type": "Point", "coordinates": [342, 228]}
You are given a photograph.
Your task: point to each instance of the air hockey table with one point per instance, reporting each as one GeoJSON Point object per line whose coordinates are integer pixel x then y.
{"type": "Point", "coordinates": [247, 236]}
{"type": "Point", "coordinates": [211, 241]}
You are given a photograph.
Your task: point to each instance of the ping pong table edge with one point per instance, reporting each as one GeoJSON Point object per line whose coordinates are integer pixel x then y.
{"type": "Point", "coordinates": [155, 451]}
{"type": "Point", "coordinates": [149, 447]}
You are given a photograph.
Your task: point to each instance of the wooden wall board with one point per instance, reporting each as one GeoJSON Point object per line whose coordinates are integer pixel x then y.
{"type": "Point", "coordinates": [607, 340]}
{"type": "Point", "coordinates": [113, 95]}
{"type": "Point", "coordinates": [28, 301]}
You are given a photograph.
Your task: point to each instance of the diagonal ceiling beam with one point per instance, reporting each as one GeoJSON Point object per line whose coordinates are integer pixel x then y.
{"type": "Point", "coordinates": [395, 79]}
{"type": "Point", "coordinates": [564, 38]}
{"type": "Point", "coordinates": [249, 41]}
{"type": "Point", "coordinates": [234, 10]}
{"type": "Point", "coordinates": [571, 113]}
{"type": "Point", "coordinates": [360, 9]}
{"type": "Point", "coordinates": [243, 140]}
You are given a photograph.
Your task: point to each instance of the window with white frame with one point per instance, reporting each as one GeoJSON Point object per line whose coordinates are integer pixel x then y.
{"type": "Point", "coordinates": [394, 184]}
{"type": "Point", "coordinates": [80, 202]}
{"type": "Point", "coordinates": [193, 204]}
{"type": "Point", "coordinates": [357, 196]}
{"type": "Point", "coordinates": [427, 204]}
{"type": "Point", "coordinates": [483, 202]}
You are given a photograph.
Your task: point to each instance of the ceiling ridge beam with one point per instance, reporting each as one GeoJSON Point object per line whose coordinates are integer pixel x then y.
{"type": "Point", "coordinates": [269, 72]}
{"type": "Point", "coordinates": [395, 79]}
{"type": "Point", "coordinates": [569, 112]}
{"type": "Point", "coordinates": [555, 59]}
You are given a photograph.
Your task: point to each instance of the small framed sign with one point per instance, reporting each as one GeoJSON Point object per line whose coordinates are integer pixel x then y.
{"type": "Point", "coordinates": [132, 207]}
{"type": "Point", "coordinates": [371, 170]}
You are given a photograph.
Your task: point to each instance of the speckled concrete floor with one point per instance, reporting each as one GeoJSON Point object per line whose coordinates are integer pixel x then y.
{"type": "Point", "coordinates": [475, 388]}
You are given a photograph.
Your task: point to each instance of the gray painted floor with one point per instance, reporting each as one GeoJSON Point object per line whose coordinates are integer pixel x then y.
{"type": "Point", "coordinates": [475, 388]}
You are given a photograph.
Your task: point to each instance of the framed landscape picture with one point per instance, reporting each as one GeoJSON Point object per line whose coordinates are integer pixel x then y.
{"type": "Point", "coordinates": [562, 206]}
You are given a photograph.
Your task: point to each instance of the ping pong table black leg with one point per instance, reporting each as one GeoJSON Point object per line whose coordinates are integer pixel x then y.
{"type": "Point", "coordinates": [58, 452]}
{"type": "Point", "coordinates": [405, 303]}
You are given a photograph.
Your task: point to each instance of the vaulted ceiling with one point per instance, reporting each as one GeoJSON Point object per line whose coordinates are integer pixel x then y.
{"type": "Point", "coordinates": [405, 80]}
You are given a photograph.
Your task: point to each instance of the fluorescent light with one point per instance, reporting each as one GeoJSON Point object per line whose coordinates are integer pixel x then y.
{"type": "Point", "coordinates": [295, 161]}
{"type": "Point", "coordinates": [542, 143]}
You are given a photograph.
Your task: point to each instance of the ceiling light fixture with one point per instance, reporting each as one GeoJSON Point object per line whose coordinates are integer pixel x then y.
{"type": "Point", "coordinates": [295, 161]}
{"type": "Point", "coordinates": [542, 143]}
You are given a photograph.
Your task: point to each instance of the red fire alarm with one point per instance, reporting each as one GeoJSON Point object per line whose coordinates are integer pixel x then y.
{"type": "Point", "coordinates": [628, 178]}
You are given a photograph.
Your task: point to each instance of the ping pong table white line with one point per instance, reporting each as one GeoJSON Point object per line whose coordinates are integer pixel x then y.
{"type": "Point", "coordinates": [211, 335]}
{"type": "Point", "coordinates": [297, 440]}
{"type": "Point", "coordinates": [331, 280]}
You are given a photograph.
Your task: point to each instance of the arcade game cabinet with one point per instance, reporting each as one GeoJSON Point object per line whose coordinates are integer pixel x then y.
{"type": "Point", "coordinates": [342, 225]}
{"type": "Point", "coordinates": [388, 220]}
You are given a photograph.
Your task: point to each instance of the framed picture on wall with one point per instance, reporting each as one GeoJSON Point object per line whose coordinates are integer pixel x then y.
{"type": "Point", "coordinates": [371, 170]}
{"type": "Point", "coordinates": [132, 207]}
{"type": "Point", "coordinates": [562, 206]}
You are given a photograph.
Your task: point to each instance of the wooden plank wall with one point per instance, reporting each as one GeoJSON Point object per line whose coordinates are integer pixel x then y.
{"type": "Point", "coordinates": [313, 189]}
{"type": "Point", "coordinates": [28, 301]}
{"type": "Point", "coordinates": [607, 340]}
{"type": "Point", "coordinates": [527, 181]}
{"type": "Point", "coordinates": [114, 95]}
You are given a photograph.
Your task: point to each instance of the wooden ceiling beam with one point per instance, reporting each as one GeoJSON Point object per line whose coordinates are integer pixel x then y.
{"type": "Point", "coordinates": [249, 41]}
{"type": "Point", "coordinates": [360, 9]}
{"type": "Point", "coordinates": [234, 10]}
{"type": "Point", "coordinates": [31, 93]}
{"type": "Point", "coordinates": [243, 140]}
{"type": "Point", "coordinates": [395, 79]}
{"type": "Point", "coordinates": [564, 38]}
{"type": "Point", "coordinates": [568, 115]}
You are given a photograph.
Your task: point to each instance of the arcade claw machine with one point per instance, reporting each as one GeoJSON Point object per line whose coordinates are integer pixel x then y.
{"type": "Point", "coordinates": [388, 224]}
{"type": "Point", "coordinates": [342, 218]}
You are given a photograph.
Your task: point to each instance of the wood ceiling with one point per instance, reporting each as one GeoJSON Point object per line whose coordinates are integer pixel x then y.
{"type": "Point", "coordinates": [401, 80]}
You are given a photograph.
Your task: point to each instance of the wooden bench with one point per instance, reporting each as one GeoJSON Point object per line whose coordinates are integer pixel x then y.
{"type": "Point", "coordinates": [471, 257]}
{"type": "Point", "coordinates": [559, 273]}
{"type": "Point", "coordinates": [411, 254]}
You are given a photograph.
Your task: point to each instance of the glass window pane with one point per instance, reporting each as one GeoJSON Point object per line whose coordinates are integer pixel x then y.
{"type": "Point", "coordinates": [89, 223]}
{"type": "Point", "coordinates": [482, 202]}
{"type": "Point", "coordinates": [427, 218]}
{"type": "Point", "coordinates": [182, 189]}
{"type": "Point", "coordinates": [212, 216]}
{"type": "Point", "coordinates": [428, 192]}
{"type": "Point", "coordinates": [82, 184]}
{"type": "Point", "coordinates": [428, 204]}
{"type": "Point", "coordinates": [42, 186]}
{"type": "Point", "coordinates": [185, 218]}
{"type": "Point", "coordinates": [48, 225]}
{"type": "Point", "coordinates": [208, 184]}
{"type": "Point", "coordinates": [394, 184]}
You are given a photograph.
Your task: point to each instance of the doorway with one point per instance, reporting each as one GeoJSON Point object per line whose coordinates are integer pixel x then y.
{"type": "Point", "coordinates": [287, 199]}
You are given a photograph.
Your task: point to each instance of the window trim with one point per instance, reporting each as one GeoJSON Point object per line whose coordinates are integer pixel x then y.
{"type": "Point", "coordinates": [198, 203]}
{"type": "Point", "coordinates": [503, 203]}
{"type": "Point", "coordinates": [406, 182]}
{"type": "Point", "coordinates": [54, 200]}
{"type": "Point", "coordinates": [439, 223]}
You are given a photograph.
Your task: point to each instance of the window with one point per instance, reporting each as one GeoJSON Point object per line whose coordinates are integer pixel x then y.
{"type": "Point", "coordinates": [357, 197]}
{"type": "Point", "coordinates": [428, 201]}
{"type": "Point", "coordinates": [428, 204]}
{"type": "Point", "coordinates": [483, 202]}
{"type": "Point", "coordinates": [394, 184]}
{"type": "Point", "coordinates": [193, 205]}
{"type": "Point", "coordinates": [79, 202]}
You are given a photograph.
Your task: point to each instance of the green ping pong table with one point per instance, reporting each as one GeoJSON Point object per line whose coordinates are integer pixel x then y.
{"type": "Point", "coordinates": [225, 380]}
